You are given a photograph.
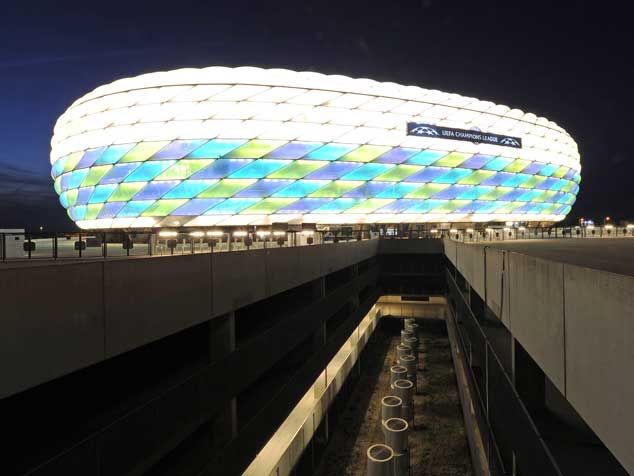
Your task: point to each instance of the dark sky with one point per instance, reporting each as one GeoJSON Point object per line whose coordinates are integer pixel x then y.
{"type": "Point", "coordinates": [571, 63]}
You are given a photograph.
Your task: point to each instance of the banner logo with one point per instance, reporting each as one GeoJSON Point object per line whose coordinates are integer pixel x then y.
{"type": "Point", "coordinates": [477, 137]}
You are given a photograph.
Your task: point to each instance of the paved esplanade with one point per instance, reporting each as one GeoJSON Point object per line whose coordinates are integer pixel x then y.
{"type": "Point", "coordinates": [615, 255]}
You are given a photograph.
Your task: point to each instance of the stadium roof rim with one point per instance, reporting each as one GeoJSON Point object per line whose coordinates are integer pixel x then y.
{"type": "Point", "coordinates": [305, 80]}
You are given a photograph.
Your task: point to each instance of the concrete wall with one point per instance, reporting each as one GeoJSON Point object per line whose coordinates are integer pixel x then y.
{"type": "Point", "coordinates": [282, 452]}
{"type": "Point", "coordinates": [496, 282]}
{"type": "Point", "coordinates": [424, 246]}
{"type": "Point", "coordinates": [536, 316]}
{"type": "Point", "coordinates": [51, 321]}
{"type": "Point", "coordinates": [58, 317]}
{"type": "Point", "coordinates": [575, 322]}
{"type": "Point", "coordinates": [413, 310]}
{"type": "Point", "coordinates": [599, 333]}
{"type": "Point", "coordinates": [147, 299]}
{"type": "Point", "coordinates": [471, 260]}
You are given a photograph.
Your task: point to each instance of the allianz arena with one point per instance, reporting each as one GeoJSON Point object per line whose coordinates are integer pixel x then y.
{"type": "Point", "coordinates": [249, 146]}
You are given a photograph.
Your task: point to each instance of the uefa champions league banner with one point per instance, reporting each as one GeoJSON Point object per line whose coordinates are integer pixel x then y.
{"type": "Point", "coordinates": [429, 130]}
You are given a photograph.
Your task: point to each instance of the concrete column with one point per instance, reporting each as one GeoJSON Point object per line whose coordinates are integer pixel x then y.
{"type": "Point", "coordinates": [319, 288]}
{"type": "Point", "coordinates": [529, 379]}
{"type": "Point", "coordinates": [320, 336]}
{"type": "Point", "coordinates": [354, 301]}
{"type": "Point", "coordinates": [222, 336]}
{"type": "Point", "coordinates": [476, 304]}
{"type": "Point", "coordinates": [222, 341]}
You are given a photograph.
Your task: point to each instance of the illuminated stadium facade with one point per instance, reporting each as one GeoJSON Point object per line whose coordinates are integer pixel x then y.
{"type": "Point", "coordinates": [249, 146]}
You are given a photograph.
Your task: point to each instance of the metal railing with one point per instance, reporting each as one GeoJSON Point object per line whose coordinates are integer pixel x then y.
{"type": "Point", "coordinates": [16, 245]}
{"type": "Point", "coordinates": [482, 232]}
{"type": "Point", "coordinates": [538, 233]}
{"type": "Point", "coordinates": [19, 246]}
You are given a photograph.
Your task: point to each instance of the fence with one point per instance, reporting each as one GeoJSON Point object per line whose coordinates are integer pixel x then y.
{"type": "Point", "coordinates": [16, 246]}
{"type": "Point", "coordinates": [537, 233]}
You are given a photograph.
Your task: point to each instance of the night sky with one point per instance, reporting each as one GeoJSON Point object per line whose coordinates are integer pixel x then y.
{"type": "Point", "coordinates": [572, 64]}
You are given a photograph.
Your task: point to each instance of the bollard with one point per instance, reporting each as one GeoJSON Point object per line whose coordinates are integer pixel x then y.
{"type": "Point", "coordinates": [397, 372]}
{"type": "Point", "coordinates": [413, 343]}
{"type": "Point", "coordinates": [409, 362]}
{"type": "Point", "coordinates": [390, 407]}
{"type": "Point", "coordinates": [413, 328]}
{"type": "Point", "coordinates": [403, 349]}
{"type": "Point", "coordinates": [395, 434]}
{"type": "Point", "coordinates": [380, 461]}
{"type": "Point", "coordinates": [405, 334]}
{"type": "Point", "coordinates": [404, 389]}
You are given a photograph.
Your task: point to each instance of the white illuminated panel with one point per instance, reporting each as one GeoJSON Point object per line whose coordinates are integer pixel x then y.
{"type": "Point", "coordinates": [243, 146]}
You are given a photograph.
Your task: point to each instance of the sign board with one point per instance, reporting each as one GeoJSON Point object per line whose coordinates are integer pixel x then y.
{"type": "Point", "coordinates": [478, 137]}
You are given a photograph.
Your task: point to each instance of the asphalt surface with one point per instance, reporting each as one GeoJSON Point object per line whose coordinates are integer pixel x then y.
{"type": "Point", "coordinates": [615, 255]}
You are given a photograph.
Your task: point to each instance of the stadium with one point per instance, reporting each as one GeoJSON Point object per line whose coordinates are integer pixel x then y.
{"type": "Point", "coordinates": [248, 146]}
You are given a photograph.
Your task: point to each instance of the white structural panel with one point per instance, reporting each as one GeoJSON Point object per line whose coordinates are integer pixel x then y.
{"type": "Point", "coordinates": [251, 146]}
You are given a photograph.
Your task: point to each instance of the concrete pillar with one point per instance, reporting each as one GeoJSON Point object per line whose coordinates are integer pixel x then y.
{"type": "Point", "coordinates": [354, 301]}
{"type": "Point", "coordinates": [529, 379]}
{"type": "Point", "coordinates": [406, 334]}
{"type": "Point", "coordinates": [222, 336]}
{"type": "Point", "coordinates": [397, 372]}
{"type": "Point", "coordinates": [222, 341]}
{"type": "Point", "coordinates": [380, 461]}
{"type": "Point", "coordinates": [391, 407]}
{"type": "Point", "coordinates": [476, 303]}
{"type": "Point", "coordinates": [403, 349]}
{"type": "Point", "coordinates": [395, 433]}
{"type": "Point", "coordinates": [319, 292]}
{"type": "Point", "coordinates": [319, 288]}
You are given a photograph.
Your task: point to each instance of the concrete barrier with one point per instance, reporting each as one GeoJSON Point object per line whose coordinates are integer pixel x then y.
{"type": "Point", "coordinates": [599, 330]}
{"type": "Point", "coordinates": [575, 322]}
{"type": "Point", "coordinates": [536, 300]}
{"type": "Point", "coordinates": [58, 317]}
{"type": "Point", "coordinates": [52, 323]}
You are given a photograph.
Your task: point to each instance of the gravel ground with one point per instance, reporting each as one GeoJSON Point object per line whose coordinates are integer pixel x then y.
{"type": "Point", "coordinates": [438, 443]}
